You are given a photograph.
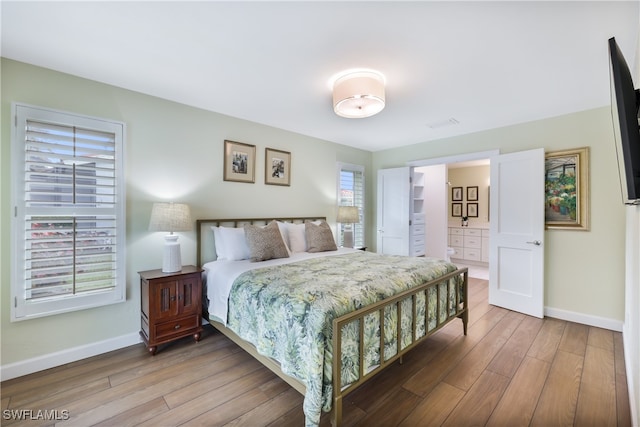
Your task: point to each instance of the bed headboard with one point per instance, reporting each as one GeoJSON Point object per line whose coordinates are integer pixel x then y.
{"type": "Point", "coordinates": [205, 250]}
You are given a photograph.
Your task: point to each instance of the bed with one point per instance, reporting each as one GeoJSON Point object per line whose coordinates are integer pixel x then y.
{"type": "Point", "coordinates": [283, 304]}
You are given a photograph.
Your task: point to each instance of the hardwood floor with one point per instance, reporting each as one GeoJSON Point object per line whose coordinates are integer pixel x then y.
{"type": "Point", "coordinates": [510, 370]}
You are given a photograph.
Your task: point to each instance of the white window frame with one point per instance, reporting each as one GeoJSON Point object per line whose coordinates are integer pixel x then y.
{"type": "Point", "coordinates": [359, 235]}
{"type": "Point", "coordinates": [23, 308]}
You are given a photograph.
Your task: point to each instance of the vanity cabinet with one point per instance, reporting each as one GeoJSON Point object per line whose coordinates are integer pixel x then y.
{"type": "Point", "coordinates": [469, 244]}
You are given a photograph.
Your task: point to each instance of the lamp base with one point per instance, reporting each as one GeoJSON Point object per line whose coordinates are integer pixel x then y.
{"type": "Point", "coordinates": [171, 260]}
{"type": "Point", "coordinates": [348, 238]}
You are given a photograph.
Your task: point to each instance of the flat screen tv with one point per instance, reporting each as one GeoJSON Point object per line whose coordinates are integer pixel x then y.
{"type": "Point", "coordinates": [625, 106]}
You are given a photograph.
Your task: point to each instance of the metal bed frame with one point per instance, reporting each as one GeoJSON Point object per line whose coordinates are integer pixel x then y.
{"type": "Point", "coordinates": [458, 310]}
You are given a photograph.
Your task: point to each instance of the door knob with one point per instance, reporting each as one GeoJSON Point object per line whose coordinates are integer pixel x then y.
{"type": "Point", "coordinates": [535, 242]}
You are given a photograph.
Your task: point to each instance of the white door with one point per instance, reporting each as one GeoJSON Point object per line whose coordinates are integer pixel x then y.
{"type": "Point", "coordinates": [436, 200]}
{"type": "Point", "coordinates": [393, 211]}
{"type": "Point", "coordinates": [516, 264]}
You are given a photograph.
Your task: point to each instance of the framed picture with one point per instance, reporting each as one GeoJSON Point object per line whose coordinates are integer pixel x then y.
{"type": "Point", "coordinates": [566, 184]}
{"type": "Point", "coordinates": [456, 209]}
{"type": "Point", "coordinates": [472, 210]}
{"type": "Point", "coordinates": [277, 167]}
{"type": "Point", "coordinates": [239, 162]}
{"type": "Point", "coordinates": [456, 194]}
{"type": "Point", "coordinates": [472, 194]}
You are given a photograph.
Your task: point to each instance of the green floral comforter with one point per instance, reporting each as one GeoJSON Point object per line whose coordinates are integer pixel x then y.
{"type": "Point", "coordinates": [287, 312]}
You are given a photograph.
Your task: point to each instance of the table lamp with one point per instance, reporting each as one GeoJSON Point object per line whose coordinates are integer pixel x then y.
{"type": "Point", "coordinates": [348, 215]}
{"type": "Point", "coordinates": [170, 217]}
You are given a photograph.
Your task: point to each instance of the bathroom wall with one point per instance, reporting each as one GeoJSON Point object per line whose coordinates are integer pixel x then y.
{"type": "Point", "coordinates": [470, 176]}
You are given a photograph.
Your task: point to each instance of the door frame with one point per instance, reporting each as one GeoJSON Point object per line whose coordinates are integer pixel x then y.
{"type": "Point", "coordinates": [480, 155]}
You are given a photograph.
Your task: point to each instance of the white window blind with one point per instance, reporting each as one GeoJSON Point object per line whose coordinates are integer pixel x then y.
{"type": "Point", "coordinates": [69, 212]}
{"type": "Point", "coordinates": [351, 193]}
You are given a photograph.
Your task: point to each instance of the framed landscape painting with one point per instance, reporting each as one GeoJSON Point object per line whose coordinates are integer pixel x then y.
{"type": "Point", "coordinates": [566, 182]}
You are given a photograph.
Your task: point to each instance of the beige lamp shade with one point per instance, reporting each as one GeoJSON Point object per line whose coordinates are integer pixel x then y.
{"type": "Point", "coordinates": [348, 215]}
{"type": "Point", "coordinates": [358, 94]}
{"type": "Point", "coordinates": [170, 217]}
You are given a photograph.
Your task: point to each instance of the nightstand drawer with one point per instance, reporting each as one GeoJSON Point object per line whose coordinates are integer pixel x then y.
{"type": "Point", "coordinates": [178, 326]}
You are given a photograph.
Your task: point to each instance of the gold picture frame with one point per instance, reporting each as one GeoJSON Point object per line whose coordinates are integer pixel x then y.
{"type": "Point", "coordinates": [277, 167]}
{"type": "Point", "coordinates": [239, 162]}
{"type": "Point", "coordinates": [566, 183]}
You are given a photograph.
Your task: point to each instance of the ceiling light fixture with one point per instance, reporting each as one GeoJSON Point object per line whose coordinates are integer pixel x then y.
{"type": "Point", "coordinates": [358, 94]}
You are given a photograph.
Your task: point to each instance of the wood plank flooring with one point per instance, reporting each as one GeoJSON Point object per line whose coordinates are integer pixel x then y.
{"type": "Point", "coordinates": [510, 370]}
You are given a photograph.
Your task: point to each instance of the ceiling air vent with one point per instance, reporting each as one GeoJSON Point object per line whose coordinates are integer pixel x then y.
{"type": "Point", "coordinates": [443, 123]}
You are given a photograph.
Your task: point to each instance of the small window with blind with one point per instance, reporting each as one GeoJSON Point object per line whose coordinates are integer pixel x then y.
{"type": "Point", "coordinates": [351, 193]}
{"type": "Point", "coordinates": [68, 222]}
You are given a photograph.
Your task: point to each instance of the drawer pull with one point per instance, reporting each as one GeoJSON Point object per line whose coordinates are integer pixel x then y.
{"type": "Point", "coordinates": [176, 327]}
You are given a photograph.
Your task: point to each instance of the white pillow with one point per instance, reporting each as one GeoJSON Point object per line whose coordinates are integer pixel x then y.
{"type": "Point", "coordinates": [231, 244]}
{"type": "Point", "coordinates": [284, 232]}
{"type": "Point", "coordinates": [296, 237]}
{"type": "Point", "coordinates": [218, 244]}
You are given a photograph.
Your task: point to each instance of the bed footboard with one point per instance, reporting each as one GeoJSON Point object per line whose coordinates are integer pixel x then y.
{"type": "Point", "coordinates": [411, 329]}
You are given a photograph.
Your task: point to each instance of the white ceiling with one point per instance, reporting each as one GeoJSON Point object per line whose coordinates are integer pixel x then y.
{"type": "Point", "coordinates": [484, 64]}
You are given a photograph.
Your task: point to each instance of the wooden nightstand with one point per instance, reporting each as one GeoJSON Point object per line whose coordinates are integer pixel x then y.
{"type": "Point", "coordinates": [170, 305]}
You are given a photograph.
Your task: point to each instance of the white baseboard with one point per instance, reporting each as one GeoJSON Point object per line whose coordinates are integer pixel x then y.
{"type": "Point", "coordinates": [40, 363]}
{"type": "Point", "coordinates": [585, 319]}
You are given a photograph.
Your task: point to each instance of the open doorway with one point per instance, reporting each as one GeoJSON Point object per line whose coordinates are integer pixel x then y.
{"type": "Point", "coordinates": [456, 190]}
{"type": "Point", "coordinates": [516, 232]}
{"type": "Point", "coordinates": [469, 217]}
{"type": "Point", "coordinates": [457, 220]}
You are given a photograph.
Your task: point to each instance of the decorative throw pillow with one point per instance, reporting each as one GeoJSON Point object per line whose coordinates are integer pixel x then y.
{"type": "Point", "coordinates": [319, 237]}
{"type": "Point", "coordinates": [265, 242]}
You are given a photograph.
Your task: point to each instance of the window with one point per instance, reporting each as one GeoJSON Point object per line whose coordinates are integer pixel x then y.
{"type": "Point", "coordinates": [68, 223]}
{"type": "Point", "coordinates": [351, 193]}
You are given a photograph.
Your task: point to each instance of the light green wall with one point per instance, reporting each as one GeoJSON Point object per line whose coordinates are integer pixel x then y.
{"type": "Point", "coordinates": [173, 152]}
{"type": "Point", "coordinates": [584, 270]}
